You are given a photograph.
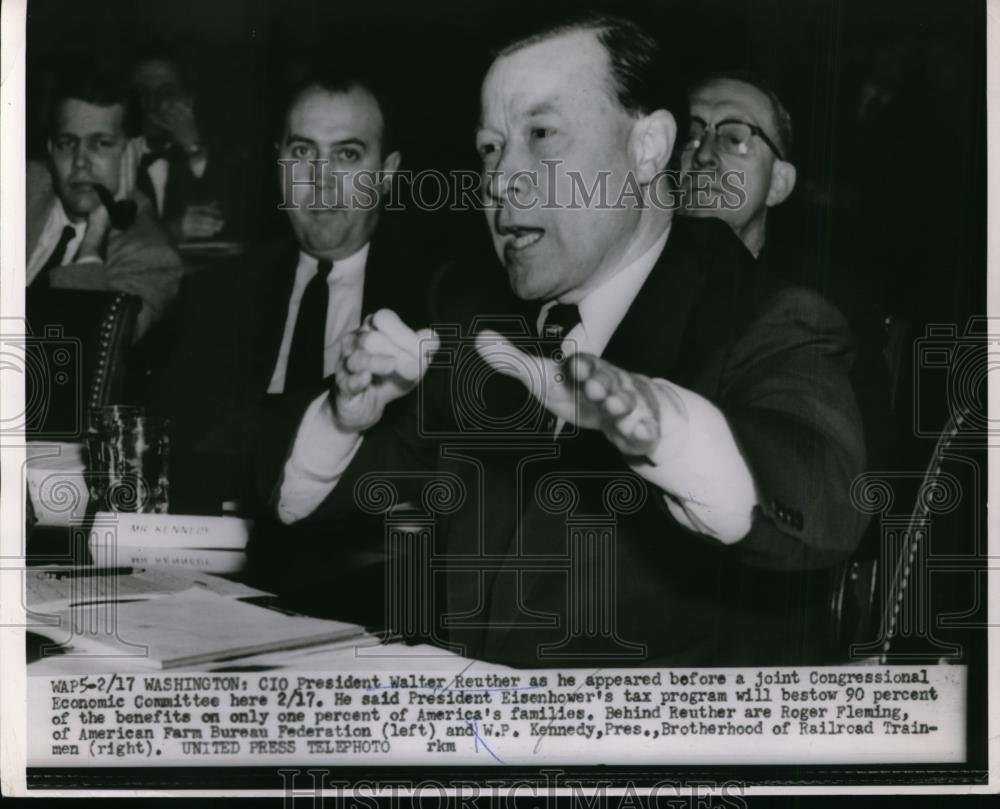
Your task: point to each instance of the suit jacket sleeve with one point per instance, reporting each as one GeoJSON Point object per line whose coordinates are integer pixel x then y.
{"type": "Point", "coordinates": [140, 261]}
{"type": "Point", "coordinates": [786, 393]}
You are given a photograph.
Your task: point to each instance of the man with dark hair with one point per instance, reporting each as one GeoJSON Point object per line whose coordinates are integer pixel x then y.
{"type": "Point", "coordinates": [252, 337]}
{"type": "Point", "coordinates": [71, 242]}
{"type": "Point", "coordinates": [694, 435]}
{"type": "Point", "coordinates": [738, 126]}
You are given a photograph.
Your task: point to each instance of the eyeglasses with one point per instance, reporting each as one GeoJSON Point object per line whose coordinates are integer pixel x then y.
{"type": "Point", "coordinates": [732, 136]}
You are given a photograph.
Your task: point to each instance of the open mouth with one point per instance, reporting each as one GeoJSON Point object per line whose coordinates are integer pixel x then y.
{"type": "Point", "coordinates": [523, 237]}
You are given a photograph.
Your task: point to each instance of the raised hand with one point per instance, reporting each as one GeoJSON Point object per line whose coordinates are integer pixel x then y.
{"type": "Point", "coordinates": [630, 409]}
{"type": "Point", "coordinates": [98, 224]}
{"type": "Point", "coordinates": [380, 361]}
{"type": "Point", "coordinates": [177, 117]}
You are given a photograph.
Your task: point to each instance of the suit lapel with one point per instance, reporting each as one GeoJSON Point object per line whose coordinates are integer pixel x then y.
{"type": "Point", "coordinates": [649, 338]}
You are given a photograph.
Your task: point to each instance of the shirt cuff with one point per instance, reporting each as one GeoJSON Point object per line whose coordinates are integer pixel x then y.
{"type": "Point", "coordinates": [319, 456]}
{"type": "Point", "coordinates": [707, 484]}
{"type": "Point", "coordinates": [88, 260]}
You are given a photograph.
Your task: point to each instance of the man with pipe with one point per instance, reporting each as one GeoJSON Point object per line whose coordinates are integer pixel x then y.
{"type": "Point", "coordinates": [74, 239]}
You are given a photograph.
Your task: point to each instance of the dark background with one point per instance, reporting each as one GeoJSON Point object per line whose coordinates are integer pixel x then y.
{"type": "Point", "coordinates": [891, 198]}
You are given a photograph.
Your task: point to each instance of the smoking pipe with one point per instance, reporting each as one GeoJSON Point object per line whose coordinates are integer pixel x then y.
{"type": "Point", "coordinates": [120, 211]}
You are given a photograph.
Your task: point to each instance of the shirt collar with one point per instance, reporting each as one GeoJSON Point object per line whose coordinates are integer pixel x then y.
{"type": "Point", "coordinates": [353, 266]}
{"type": "Point", "coordinates": [603, 308]}
{"type": "Point", "coordinates": [61, 219]}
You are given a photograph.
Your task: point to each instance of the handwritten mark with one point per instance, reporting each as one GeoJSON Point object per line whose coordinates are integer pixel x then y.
{"type": "Point", "coordinates": [479, 740]}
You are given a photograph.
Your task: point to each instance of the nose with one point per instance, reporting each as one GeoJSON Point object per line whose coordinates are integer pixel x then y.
{"type": "Point", "coordinates": [706, 156]}
{"type": "Point", "coordinates": [508, 180]}
{"type": "Point", "coordinates": [81, 155]}
{"type": "Point", "coordinates": [330, 184]}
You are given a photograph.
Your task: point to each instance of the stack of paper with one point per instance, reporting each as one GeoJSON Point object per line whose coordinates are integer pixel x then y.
{"type": "Point", "coordinates": [209, 544]}
{"type": "Point", "coordinates": [143, 615]}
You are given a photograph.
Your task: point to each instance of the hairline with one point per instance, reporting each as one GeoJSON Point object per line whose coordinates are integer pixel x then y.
{"type": "Point", "coordinates": [59, 102]}
{"type": "Point", "coordinates": [780, 117]}
{"type": "Point", "coordinates": [596, 28]}
{"type": "Point", "coordinates": [317, 85]}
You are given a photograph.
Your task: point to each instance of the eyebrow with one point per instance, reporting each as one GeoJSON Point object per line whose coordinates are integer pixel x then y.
{"type": "Point", "coordinates": [64, 133]}
{"type": "Point", "coordinates": [542, 108]}
{"type": "Point", "coordinates": [345, 142]}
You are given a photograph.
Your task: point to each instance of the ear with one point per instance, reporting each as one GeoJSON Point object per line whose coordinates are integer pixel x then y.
{"type": "Point", "coordinates": [650, 144]}
{"type": "Point", "coordinates": [390, 165]}
{"type": "Point", "coordinates": [782, 182]}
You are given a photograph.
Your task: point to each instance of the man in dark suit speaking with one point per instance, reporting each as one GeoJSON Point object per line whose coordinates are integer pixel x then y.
{"type": "Point", "coordinates": [694, 450]}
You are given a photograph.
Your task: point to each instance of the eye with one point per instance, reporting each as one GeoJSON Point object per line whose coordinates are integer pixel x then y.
{"type": "Point", "coordinates": [106, 144]}
{"type": "Point", "coordinates": [541, 132]}
{"type": "Point", "coordinates": [65, 143]}
{"type": "Point", "coordinates": [349, 155]}
{"type": "Point", "coordinates": [487, 148]}
{"type": "Point", "coordinates": [301, 152]}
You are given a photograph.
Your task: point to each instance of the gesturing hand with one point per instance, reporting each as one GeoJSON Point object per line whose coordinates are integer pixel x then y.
{"type": "Point", "coordinates": [380, 361]}
{"type": "Point", "coordinates": [628, 408]}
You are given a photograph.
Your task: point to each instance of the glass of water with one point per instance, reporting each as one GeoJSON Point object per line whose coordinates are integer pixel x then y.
{"type": "Point", "coordinates": [129, 460]}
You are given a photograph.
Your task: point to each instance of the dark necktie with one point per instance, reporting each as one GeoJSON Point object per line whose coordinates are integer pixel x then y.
{"type": "Point", "coordinates": [305, 357]}
{"type": "Point", "coordinates": [56, 259]}
{"type": "Point", "coordinates": [559, 321]}
{"type": "Point", "coordinates": [145, 183]}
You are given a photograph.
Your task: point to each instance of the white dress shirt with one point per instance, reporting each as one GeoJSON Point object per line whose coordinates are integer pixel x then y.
{"type": "Point", "coordinates": [346, 283]}
{"type": "Point", "coordinates": [706, 483]}
{"type": "Point", "coordinates": [49, 239]}
{"type": "Point", "coordinates": [158, 171]}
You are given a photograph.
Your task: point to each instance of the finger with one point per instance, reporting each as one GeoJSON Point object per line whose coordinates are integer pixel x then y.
{"type": "Point", "coordinates": [638, 432]}
{"type": "Point", "coordinates": [620, 402]}
{"type": "Point", "coordinates": [357, 361]}
{"type": "Point", "coordinates": [390, 324]}
{"type": "Point", "coordinates": [413, 367]}
{"type": "Point", "coordinates": [375, 352]}
{"type": "Point", "coordinates": [503, 356]}
{"type": "Point", "coordinates": [376, 342]}
{"type": "Point", "coordinates": [353, 384]}
{"type": "Point", "coordinates": [376, 364]}
{"type": "Point", "coordinates": [601, 383]}
{"type": "Point", "coordinates": [382, 365]}
{"type": "Point", "coordinates": [581, 366]}
{"type": "Point", "coordinates": [429, 343]}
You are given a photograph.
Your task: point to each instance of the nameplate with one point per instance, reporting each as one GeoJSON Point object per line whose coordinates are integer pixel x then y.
{"type": "Point", "coordinates": [142, 556]}
{"type": "Point", "coordinates": [170, 531]}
